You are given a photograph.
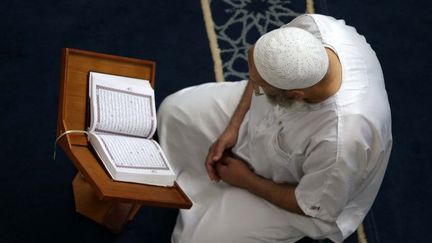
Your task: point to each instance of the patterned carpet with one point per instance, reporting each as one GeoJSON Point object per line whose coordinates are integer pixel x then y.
{"type": "Point", "coordinates": [234, 25]}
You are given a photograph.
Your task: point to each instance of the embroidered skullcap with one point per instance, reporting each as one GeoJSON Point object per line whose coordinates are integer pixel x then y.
{"type": "Point", "coordinates": [290, 58]}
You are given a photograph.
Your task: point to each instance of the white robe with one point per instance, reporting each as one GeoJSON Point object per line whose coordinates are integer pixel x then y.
{"type": "Point", "coordinates": [335, 151]}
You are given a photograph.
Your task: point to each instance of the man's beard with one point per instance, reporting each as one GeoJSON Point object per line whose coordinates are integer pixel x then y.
{"type": "Point", "coordinates": [282, 100]}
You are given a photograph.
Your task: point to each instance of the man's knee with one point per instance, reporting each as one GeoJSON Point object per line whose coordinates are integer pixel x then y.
{"type": "Point", "coordinates": [173, 108]}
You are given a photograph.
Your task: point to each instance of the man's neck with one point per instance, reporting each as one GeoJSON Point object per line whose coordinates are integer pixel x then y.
{"type": "Point", "coordinates": [331, 82]}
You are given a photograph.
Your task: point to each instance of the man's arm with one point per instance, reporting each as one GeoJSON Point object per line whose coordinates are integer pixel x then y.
{"type": "Point", "coordinates": [281, 195]}
{"type": "Point", "coordinates": [236, 172]}
{"type": "Point", "coordinates": [229, 137]}
{"type": "Point", "coordinates": [242, 107]}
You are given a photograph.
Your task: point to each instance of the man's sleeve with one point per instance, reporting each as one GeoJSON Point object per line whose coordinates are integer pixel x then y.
{"type": "Point", "coordinates": [334, 172]}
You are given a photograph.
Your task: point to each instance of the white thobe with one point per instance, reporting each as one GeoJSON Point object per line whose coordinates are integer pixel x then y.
{"type": "Point", "coordinates": [336, 151]}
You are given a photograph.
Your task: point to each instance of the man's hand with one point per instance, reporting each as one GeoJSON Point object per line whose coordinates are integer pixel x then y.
{"type": "Point", "coordinates": [226, 141]}
{"type": "Point", "coordinates": [229, 137]}
{"type": "Point", "coordinates": [237, 173]}
{"type": "Point", "coordinates": [234, 172]}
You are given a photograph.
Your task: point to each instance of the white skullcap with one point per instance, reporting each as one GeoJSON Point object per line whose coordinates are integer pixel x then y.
{"type": "Point", "coordinates": [290, 58]}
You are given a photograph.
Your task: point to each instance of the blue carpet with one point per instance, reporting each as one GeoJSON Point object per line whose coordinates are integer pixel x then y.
{"type": "Point", "coordinates": [36, 196]}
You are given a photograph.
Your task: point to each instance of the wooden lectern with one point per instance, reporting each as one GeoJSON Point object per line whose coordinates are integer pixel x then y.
{"type": "Point", "coordinates": [97, 196]}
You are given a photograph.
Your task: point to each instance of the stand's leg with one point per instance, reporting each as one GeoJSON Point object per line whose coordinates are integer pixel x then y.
{"type": "Point", "coordinates": [117, 216]}
{"type": "Point", "coordinates": [112, 215]}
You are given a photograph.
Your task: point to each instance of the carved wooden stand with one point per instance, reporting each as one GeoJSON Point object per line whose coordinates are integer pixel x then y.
{"type": "Point", "coordinates": [97, 196]}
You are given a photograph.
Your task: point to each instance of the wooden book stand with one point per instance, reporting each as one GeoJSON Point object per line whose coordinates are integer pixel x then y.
{"type": "Point", "coordinates": [97, 196]}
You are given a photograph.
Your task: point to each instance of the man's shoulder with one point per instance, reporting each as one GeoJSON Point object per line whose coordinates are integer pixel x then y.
{"type": "Point", "coordinates": [321, 26]}
{"type": "Point", "coordinates": [365, 124]}
{"type": "Point", "coordinates": [306, 20]}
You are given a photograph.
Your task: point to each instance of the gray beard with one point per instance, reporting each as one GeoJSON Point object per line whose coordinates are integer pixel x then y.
{"type": "Point", "coordinates": [282, 101]}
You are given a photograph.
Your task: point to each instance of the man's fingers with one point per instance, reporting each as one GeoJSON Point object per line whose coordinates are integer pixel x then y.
{"type": "Point", "coordinates": [209, 163]}
{"type": "Point", "coordinates": [219, 167]}
{"type": "Point", "coordinates": [208, 159]}
{"type": "Point", "coordinates": [212, 173]}
{"type": "Point", "coordinates": [226, 160]}
{"type": "Point", "coordinates": [218, 151]}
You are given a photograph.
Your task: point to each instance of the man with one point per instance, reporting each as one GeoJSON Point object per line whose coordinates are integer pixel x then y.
{"type": "Point", "coordinates": [301, 147]}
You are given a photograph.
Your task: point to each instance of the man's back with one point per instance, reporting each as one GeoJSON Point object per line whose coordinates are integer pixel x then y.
{"type": "Point", "coordinates": [335, 152]}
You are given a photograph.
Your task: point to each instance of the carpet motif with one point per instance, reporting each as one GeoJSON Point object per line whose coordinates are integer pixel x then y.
{"type": "Point", "coordinates": [239, 23]}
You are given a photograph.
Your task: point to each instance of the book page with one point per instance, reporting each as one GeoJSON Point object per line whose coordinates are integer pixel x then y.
{"type": "Point", "coordinates": [133, 152]}
{"type": "Point", "coordinates": [122, 105]}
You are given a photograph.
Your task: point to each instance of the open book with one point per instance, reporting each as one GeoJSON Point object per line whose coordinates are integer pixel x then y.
{"type": "Point", "coordinates": [122, 124]}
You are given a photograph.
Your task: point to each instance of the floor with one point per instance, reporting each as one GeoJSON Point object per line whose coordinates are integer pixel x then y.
{"type": "Point", "coordinates": [36, 191]}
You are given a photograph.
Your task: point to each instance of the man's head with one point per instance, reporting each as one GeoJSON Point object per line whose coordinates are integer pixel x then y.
{"type": "Point", "coordinates": [286, 62]}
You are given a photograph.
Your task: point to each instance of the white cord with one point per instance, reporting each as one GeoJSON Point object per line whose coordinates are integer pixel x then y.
{"type": "Point", "coordinates": [65, 133]}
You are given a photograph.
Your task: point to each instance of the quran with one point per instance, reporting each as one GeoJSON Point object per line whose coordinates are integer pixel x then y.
{"type": "Point", "coordinates": [122, 124]}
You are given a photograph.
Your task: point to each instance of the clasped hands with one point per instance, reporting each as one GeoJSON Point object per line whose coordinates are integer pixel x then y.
{"type": "Point", "coordinates": [221, 164]}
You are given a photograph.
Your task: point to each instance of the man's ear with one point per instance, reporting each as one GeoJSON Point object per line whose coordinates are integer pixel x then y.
{"type": "Point", "coordinates": [295, 94]}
